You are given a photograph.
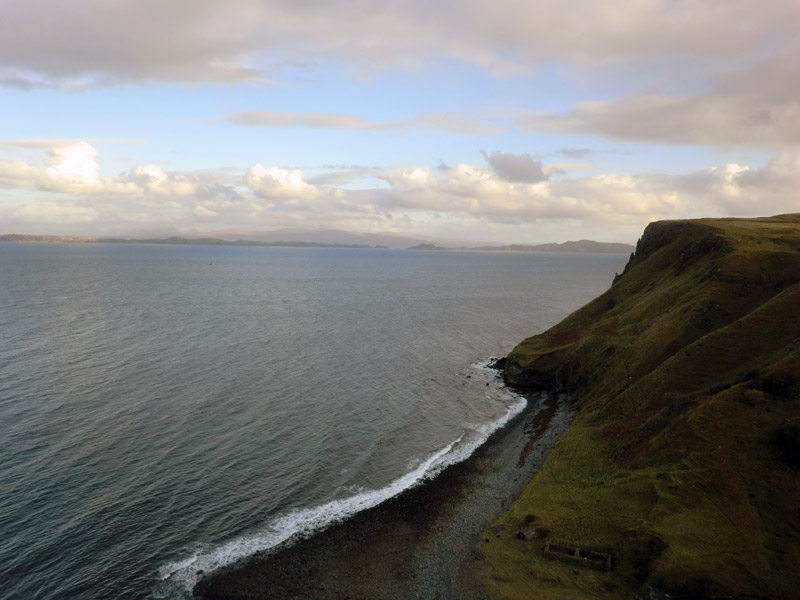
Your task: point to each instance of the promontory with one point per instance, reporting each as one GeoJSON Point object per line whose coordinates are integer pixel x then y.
{"type": "Point", "coordinates": [682, 464]}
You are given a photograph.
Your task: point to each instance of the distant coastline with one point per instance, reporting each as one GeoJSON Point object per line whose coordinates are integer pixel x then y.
{"type": "Point", "coordinates": [586, 246]}
{"type": "Point", "coordinates": [170, 241]}
{"type": "Point", "coordinates": [589, 246]}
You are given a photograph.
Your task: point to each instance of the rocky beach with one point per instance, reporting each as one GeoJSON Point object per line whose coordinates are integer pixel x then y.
{"type": "Point", "coordinates": [423, 543]}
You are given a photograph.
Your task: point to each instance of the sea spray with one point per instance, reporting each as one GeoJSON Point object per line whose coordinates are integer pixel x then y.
{"type": "Point", "coordinates": [178, 578]}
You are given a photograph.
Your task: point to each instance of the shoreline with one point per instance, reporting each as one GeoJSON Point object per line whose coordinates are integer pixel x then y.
{"type": "Point", "coordinates": [424, 542]}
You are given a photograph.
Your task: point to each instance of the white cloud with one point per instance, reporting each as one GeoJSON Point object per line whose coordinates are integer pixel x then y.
{"type": "Point", "coordinates": [17, 173]}
{"type": "Point", "coordinates": [67, 188]}
{"type": "Point", "coordinates": [71, 167]}
{"type": "Point", "coordinates": [472, 191]}
{"type": "Point", "coordinates": [275, 183]}
{"type": "Point", "coordinates": [738, 190]}
{"type": "Point", "coordinates": [154, 180]}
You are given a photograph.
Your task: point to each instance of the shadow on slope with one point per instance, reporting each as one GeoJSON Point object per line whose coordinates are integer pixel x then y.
{"type": "Point", "coordinates": [683, 459]}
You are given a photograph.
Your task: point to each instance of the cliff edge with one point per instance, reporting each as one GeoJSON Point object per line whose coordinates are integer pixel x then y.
{"type": "Point", "coordinates": [683, 461]}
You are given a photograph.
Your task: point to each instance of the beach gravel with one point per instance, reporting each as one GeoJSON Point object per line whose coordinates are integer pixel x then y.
{"type": "Point", "coordinates": [423, 543]}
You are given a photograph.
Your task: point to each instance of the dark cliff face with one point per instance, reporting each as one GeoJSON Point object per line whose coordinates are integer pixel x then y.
{"type": "Point", "coordinates": [685, 279]}
{"type": "Point", "coordinates": [529, 378]}
{"type": "Point", "coordinates": [686, 378]}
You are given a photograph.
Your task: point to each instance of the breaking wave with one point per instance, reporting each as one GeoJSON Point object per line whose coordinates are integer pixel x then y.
{"type": "Point", "coordinates": [176, 579]}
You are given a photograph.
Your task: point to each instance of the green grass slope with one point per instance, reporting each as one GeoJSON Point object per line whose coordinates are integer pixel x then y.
{"type": "Point", "coordinates": [684, 457]}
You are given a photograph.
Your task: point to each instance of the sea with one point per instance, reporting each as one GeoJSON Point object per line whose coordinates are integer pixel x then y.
{"type": "Point", "coordinates": [167, 410]}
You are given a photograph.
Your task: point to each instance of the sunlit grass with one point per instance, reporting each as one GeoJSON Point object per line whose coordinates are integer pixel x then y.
{"type": "Point", "coordinates": [683, 371]}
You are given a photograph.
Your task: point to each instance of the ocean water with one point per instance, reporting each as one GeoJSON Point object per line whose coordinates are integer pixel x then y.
{"type": "Point", "coordinates": [165, 410]}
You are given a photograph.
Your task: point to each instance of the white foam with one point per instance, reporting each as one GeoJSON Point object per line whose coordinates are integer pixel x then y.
{"type": "Point", "coordinates": [183, 573]}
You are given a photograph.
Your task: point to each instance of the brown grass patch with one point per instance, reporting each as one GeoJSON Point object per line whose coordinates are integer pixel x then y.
{"type": "Point", "coordinates": [630, 436]}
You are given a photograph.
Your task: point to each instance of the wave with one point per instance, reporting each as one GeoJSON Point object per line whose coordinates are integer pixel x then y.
{"type": "Point", "coordinates": [176, 579]}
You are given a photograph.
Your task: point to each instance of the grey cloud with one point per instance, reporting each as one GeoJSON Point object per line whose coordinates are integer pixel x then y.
{"type": "Point", "coordinates": [333, 167]}
{"type": "Point", "coordinates": [450, 123]}
{"type": "Point", "coordinates": [755, 104]}
{"type": "Point", "coordinates": [13, 79]}
{"type": "Point", "coordinates": [576, 153]}
{"type": "Point", "coordinates": [519, 168]}
{"type": "Point", "coordinates": [266, 118]}
{"type": "Point", "coordinates": [337, 178]}
{"type": "Point", "coordinates": [51, 42]}
{"type": "Point", "coordinates": [682, 120]}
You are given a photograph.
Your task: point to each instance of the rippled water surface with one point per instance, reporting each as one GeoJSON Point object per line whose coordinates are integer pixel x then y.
{"type": "Point", "coordinates": [167, 409]}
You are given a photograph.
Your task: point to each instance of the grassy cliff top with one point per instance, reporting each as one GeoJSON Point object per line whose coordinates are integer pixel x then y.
{"type": "Point", "coordinates": [684, 458]}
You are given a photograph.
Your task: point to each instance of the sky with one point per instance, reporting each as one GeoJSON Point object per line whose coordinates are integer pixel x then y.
{"type": "Point", "coordinates": [494, 121]}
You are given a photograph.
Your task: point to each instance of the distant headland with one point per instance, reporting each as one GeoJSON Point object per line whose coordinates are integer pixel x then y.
{"type": "Point", "coordinates": [683, 462]}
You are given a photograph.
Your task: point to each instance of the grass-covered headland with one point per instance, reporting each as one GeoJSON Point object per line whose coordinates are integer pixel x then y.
{"type": "Point", "coordinates": [683, 460]}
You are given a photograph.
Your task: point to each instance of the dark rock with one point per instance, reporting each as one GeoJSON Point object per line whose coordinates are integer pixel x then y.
{"type": "Point", "coordinates": [534, 532]}
{"type": "Point", "coordinates": [499, 364]}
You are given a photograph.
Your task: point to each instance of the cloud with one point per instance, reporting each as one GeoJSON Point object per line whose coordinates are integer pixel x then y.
{"type": "Point", "coordinates": [37, 144]}
{"type": "Point", "coordinates": [609, 197]}
{"type": "Point", "coordinates": [50, 213]}
{"type": "Point", "coordinates": [154, 180]}
{"type": "Point", "coordinates": [66, 189]}
{"type": "Point", "coordinates": [266, 118]}
{"type": "Point", "coordinates": [714, 120]}
{"type": "Point", "coordinates": [516, 167]}
{"type": "Point", "coordinates": [471, 191]}
{"type": "Point", "coordinates": [754, 103]}
{"type": "Point", "coordinates": [88, 44]}
{"type": "Point", "coordinates": [47, 42]}
{"type": "Point", "coordinates": [71, 167]}
{"type": "Point", "coordinates": [739, 190]}
{"type": "Point", "coordinates": [576, 153]}
{"type": "Point", "coordinates": [275, 183]}
{"type": "Point", "coordinates": [18, 173]}
{"type": "Point", "coordinates": [450, 123]}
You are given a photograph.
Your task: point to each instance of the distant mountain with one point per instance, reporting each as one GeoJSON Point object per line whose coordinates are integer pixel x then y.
{"type": "Point", "coordinates": [579, 246]}
{"type": "Point", "coordinates": [587, 246]}
{"type": "Point", "coordinates": [328, 238]}
{"type": "Point", "coordinates": [60, 239]}
{"type": "Point", "coordinates": [173, 240]}
{"type": "Point", "coordinates": [317, 236]}
{"type": "Point", "coordinates": [209, 241]}
{"type": "Point", "coordinates": [426, 247]}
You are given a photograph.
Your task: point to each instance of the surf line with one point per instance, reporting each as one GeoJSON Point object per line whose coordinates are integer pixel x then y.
{"type": "Point", "coordinates": [303, 522]}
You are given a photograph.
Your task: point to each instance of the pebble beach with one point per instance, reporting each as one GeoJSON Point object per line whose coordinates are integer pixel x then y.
{"type": "Point", "coordinates": [423, 543]}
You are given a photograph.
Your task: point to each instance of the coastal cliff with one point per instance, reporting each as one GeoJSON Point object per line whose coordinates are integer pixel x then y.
{"type": "Point", "coordinates": [683, 461]}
